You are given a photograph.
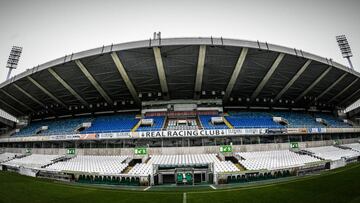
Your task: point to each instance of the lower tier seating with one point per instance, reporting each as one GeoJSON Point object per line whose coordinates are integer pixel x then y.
{"type": "Point", "coordinates": [353, 146]}
{"type": "Point", "coordinates": [332, 153]}
{"type": "Point", "coordinates": [33, 161]}
{"type": "Point", "coordinates": [272, 160]}
{"type": "Point", "coordinates": [7, 156]}
{"type": "Point", "coordinates": [92, 164]}
{"type": "Point", "coordinates": [141, 169]}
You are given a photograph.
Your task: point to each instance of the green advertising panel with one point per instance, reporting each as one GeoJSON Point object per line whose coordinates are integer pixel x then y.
{"type": "Point", "coordinates": [70, 151]}
{"type": "Point", "coordinates": [28, 151]}
{"type": "Point", "coordinates": [141, 151]}
{"type": "Point", "coordinates": [225, 148]}
{"type": "Point", "coordinates": [294, 145]}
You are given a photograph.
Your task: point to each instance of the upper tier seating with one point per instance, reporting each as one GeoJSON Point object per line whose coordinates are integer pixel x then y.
{"type": "Point", "coordinates": [173, 125]}
{"type": "Point", "coordinates": [157, 126]}
{"type": "Point", "coordinates": [112, 123]}
{"type": "Point", "coordinates": [273, 160]}
{"type": "Point", "coordinates": [332, 121]}
{"type": "Point", "coordinates": [7, 156]}
{"type": "Point", "coordinates": [193, 159]}
{"type": "Point", "coordinates": [332, 153]}
{"type": "Point", "coordinates": [206, 123]}
{"type": "Point", "coordinates": [92, 164]}
{"type": "Point", "coordinates": [31, 128]}
{"type": "Point", "coordinates": [353, 146]}
{"type": "Point", "coordinates": [33, 161]}
{"type": "Point", "coordinates": [61, 126]}
{"type": "Point", "coordinates": [252, 120]}
{"type": "Point", "coordinates": [298, 119]}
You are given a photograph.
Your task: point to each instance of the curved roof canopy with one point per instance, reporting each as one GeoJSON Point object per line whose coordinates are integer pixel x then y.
{"type": "Point", "coordinates": [242, 73]}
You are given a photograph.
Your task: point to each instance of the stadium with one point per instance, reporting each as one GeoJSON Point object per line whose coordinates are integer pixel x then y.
{"type": "Point", "coordinates": [182, 113]}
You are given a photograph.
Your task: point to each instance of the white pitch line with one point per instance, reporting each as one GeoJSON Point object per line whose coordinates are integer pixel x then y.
{"type": "Point", "coordinates": [213, 187]}
{"type": "Point", "coordinates": [184, 198]}
{"type": "Point", "coordinates": [147, 188]}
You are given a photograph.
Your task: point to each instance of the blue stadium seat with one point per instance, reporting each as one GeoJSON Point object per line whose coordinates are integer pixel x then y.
{"type": "Point", "coordinates": [158, 124]}
{"type": "Point", "coordinates": [332, 121]}
{"type": "Point", "coordinates": [60, 126]}
{"type": "Point", "coordinates": [206, 123]}
{"type": "Point", "coordinates": [112, 123]}
{"type": "Point", "coordinates": [298, 119]}
{"type": "Point", "coordinates": [252, 120]}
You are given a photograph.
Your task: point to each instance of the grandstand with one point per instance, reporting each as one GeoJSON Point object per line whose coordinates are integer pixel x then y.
{"type": "Point", "coordinates": [180, 111]}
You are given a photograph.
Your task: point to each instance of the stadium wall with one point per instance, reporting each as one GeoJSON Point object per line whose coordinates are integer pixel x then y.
{"type": "Point", "coordinates": [180, 150]}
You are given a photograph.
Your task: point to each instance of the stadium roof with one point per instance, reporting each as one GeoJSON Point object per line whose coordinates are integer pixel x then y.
{"type": "Point", "coordinates": [120, 76]}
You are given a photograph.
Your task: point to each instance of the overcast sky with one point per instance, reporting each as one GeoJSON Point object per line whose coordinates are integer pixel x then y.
{"type": "Point", "coordinates": [51, 29]}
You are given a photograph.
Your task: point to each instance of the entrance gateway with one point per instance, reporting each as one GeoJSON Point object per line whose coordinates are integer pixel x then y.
{"type": "Point", "coordinates": [183, 174]}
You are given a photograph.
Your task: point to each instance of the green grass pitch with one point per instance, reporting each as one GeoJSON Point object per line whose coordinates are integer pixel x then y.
{"type": "Point", "coordinates": [341, 185]}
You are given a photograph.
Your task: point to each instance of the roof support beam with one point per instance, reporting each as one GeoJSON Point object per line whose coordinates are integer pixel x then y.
{"type": "Point", "coordinates": [46, 91]}
{"type": "Point", "coordinates": [351, 96]}
{"type": "Point", "coordinates": [313, 84]}
{"type": "Point", "coordinates": [18, 101]}
{"type": "Point", "coordinates": [29, 95]}
{"type": "Point", "coordinates": [11, 107]}
{"type": "Point", "coordinates": [291, 82]}
{"type": "Point", "coordinates": [199, 71]}
{"type": "Point", "coordinates": [235, 74]}
{"type": "Point", "coordinates": [94, 82]}
{"type": "Point", "coordinates": [125, 77]}
{"type": "Point", "coordinates": [161, 72]}
{"type": "Point", "coordinates": [331, 86]}
{"type": "Point", "coordinates": [344, 90]}
{"type": "Point", "coordinates": [267, 76]}
{"type": "Point", "coordinates": [67, 86]}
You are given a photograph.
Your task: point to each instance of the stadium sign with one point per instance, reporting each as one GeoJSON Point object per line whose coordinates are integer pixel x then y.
{"type": "Point", "coordinates": [70, 151]}
{"type": "Point", "coordinates": [294, 145]}
{"type": "Point", "coordinates": [140, 151]}
{"type": "Point", "coordinates": [181, 133]}
{"type": "Point", "coordinates": [225, 148]}
{"type": "Point", "coordinates": [196, 133]}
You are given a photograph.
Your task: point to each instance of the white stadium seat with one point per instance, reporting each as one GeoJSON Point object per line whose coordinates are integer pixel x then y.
{"type": "Point", "coordinates": [7, 156]}
{"type": "Point", "coordinates": [353, 146]}
{"type": "Point", "coordinates": [33, 161]}
{"type": "Point", "coordinates": [332, 153]}
{"type": "Point", "coordinates": [92, 164]}
{"type": "Point", "coordinates": [273, 160]}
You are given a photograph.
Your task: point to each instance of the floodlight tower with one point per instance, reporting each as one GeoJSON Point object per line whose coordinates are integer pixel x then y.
{"type": "Point", "coordinates": [345, 48]}
{"type": "Point", "coordinates": [13, 59]}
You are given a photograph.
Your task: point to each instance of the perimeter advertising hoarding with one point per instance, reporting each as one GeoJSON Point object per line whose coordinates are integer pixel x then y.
{"type": "Point", "coordinates": [114, 135]}
{"type": "Point", "coordinates": [177, 133]}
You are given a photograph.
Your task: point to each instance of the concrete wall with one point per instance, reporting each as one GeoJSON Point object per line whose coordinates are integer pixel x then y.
{"type": "Point", "coordinates": [181, 150]}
